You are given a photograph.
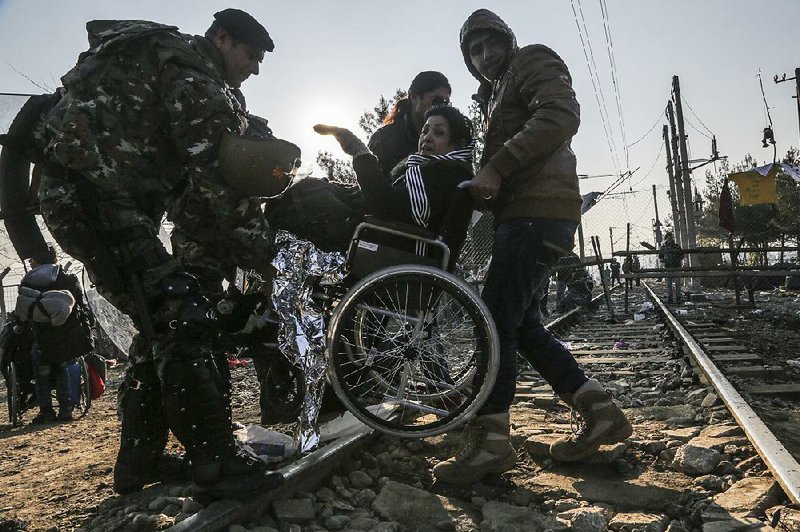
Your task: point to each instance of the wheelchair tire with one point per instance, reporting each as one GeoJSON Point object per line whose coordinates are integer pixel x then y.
{"type": "Point", "coordinates": [86, 391]}
{"type": "Point", "coordinates": [14, 396]}
{"type": "Point", "coordinates": [417, 340]}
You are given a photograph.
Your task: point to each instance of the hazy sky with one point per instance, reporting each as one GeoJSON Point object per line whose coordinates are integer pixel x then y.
{"type": "Point", "coordinates": [334, 59]}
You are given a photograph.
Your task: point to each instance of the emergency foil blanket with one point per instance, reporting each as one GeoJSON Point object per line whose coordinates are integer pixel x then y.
{"type": "Point", "coordinates": [301, 337]}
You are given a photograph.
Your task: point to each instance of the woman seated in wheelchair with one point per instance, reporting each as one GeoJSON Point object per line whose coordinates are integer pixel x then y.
{"type": "Point", "coordinates": [420, 191]}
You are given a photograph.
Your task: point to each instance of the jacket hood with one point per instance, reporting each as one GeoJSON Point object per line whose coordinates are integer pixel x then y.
{"type": "Point", "coordinates": [483, 19]}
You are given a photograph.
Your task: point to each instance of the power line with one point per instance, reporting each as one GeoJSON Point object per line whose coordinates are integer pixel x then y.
{"type": "Point", "coordinates": [691, 125]}
{"type": "Point", "coordinates": [597, 88]}
{"type": "Point", "coordinates": [658, 157]}
{"type": "Point", "coordinates": [637, 141]}
{"type": "Point", "coordinates": [613, 64]}
{"type": "Point", "coordinates": [695, 115]}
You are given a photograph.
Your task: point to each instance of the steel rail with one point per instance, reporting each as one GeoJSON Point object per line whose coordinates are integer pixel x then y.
{"type": "Point", "coordinates": [780, 462]}
{"type": "Point", "coordinates": [305, 474]}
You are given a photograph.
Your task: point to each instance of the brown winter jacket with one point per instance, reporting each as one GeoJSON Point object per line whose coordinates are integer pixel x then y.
{"type": "Point", "coordinates": [530, 117]}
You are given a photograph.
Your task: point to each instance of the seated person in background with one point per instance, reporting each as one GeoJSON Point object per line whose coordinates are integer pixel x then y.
{"type": "Point", "coordinates": [418, 193]}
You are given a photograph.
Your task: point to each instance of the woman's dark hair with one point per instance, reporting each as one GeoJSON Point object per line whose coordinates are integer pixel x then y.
{"type": "Point", "coordinates": [460, 125]}
{"type": "Point", "coordinates": [427, 81]}
{"type": "Point", "coordinates": [423, 82]}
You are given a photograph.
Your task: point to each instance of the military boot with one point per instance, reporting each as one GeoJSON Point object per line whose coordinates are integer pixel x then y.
{"type": "Point", "coordinates": [603, 423]}
{"type": "Point", "coordinates": [132, 476]}
{"type": "Point", "coordinates": [141, 459]}
{"type": "Point", "coordinates": [239, 476]}
{"type": "Point", "coordinates": [485, 448]}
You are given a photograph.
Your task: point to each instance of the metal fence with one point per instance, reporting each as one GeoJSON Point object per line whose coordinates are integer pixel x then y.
{"type": "Point", "coordinates": [8, 299]}
{"type": "Point", "coordinates": [477, 251]}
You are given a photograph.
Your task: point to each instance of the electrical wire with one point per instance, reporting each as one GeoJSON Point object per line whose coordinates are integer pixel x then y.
{"type": "Point", "coordinates": [695, 115]}
{"type": "Point", "coordinates": [597, 88]}
{"type": "Point", "coordinates": [658, 157]}
{"type": "Point", "coordinates": [691, 125]}
{"type": "Point", "coordinates": [613, 65]}
{"type": "Point", "coordinates": [637, 141]}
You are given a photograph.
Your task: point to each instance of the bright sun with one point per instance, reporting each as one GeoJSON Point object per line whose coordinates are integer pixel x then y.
{"type": "Point", "coordinates": [332, 112]}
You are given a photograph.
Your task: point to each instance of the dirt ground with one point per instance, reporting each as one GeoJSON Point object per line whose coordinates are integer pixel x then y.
{"type": "Point", "coordinates": [55, 476]}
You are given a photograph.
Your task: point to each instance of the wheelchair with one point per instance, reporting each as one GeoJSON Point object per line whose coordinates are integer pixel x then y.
{"type": "Point", "coordinates": [405, 335]}
{"type": "Point", "coordinates": [17, 370]}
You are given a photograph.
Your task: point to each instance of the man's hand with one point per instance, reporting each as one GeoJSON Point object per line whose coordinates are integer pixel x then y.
{"type": "Point", "coordinates": [351, 144]}
{"type": "Point", "coordinates": [485, 184]}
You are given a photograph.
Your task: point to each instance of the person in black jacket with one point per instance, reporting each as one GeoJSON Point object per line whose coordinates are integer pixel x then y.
{"type": "Point", "coordinates": [671, 254]}
{"type": "Point", "coordinates": [398, 137]}
{"type": "Point", "coordinates": [46, 274]}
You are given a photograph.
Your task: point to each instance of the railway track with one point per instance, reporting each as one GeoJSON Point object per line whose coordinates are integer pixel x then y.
{"type": "Point", "coordinates": [700, 457]}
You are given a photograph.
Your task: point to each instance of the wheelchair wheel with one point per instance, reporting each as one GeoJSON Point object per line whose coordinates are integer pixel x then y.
{"type": "Point", "coordinates": [85, 400]}
{"type": "Point", "coordinates": [14, 396]}
{"type": "Point", "coordinates": [416, 340]}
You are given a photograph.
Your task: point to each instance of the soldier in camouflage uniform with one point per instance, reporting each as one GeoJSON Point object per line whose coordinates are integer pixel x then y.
{"type": "Point", "coordinates": [137, 135]}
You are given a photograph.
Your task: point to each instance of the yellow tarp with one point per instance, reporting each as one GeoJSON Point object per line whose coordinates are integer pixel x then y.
{"type": "Point", "coordinates": [757, 185]}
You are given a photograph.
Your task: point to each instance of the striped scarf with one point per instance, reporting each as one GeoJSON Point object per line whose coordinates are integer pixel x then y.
{"type": "Point", "coordinates": [417, 194]}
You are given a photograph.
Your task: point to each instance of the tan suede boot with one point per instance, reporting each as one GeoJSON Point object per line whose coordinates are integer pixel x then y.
{"type": "Point", "coordinates": [603, 423]}
{"type": "Point", "coordinates": [485, 448]}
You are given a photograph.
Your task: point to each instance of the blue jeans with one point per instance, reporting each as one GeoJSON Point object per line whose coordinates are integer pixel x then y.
{"type": "Point", "coordinates": [524, 251]}
{"type": "Point", "coordinates": [67, 380]}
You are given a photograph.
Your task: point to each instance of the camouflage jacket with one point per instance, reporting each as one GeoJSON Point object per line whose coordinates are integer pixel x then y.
{"type": "Point", "coordinates": [144, 113]}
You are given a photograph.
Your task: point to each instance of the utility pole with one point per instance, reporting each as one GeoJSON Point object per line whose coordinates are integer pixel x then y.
{"type": "Point", "coordinates": [675, 195]}
{"type": "Point", "coordinates": [611, 238]}
{"type": "Point", "coordinates": [691, 230]}
{"type": "Point", "coordinates": [796, 79]}
{"type": "Point", "coordinates": [657, 222]}
{"type": "Point", "coordinates": [677, 220]}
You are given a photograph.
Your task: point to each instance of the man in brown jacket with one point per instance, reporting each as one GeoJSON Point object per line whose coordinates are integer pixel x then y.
{"type": "Point", "coordinates": [529, 180]}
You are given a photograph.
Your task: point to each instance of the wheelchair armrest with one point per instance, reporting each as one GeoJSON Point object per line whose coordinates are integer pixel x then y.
{"type": "Point", "coordinates": [397, 227]}
{"type": "Point", "coordinates": [369, 254]}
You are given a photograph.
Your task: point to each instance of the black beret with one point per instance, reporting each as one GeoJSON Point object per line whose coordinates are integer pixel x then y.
{"type": "Point", "coordinates": [243, 27]}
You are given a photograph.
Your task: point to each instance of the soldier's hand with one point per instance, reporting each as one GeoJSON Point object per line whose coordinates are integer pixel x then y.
{"type": "Point", "coordinates": [351, 144]}
{"type": "Point", "coordinates": [485, 185]}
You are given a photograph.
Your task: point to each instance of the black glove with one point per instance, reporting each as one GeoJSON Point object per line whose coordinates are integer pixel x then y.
{"type": "Point", "coordinates": [351, 144]}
